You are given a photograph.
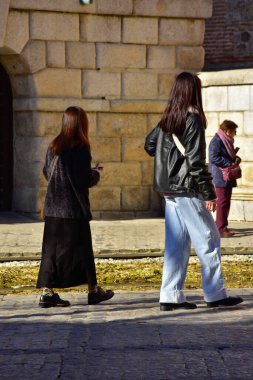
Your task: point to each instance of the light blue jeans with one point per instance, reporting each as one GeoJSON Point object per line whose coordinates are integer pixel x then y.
{"type": "Point", "coordinates": [187, 220]}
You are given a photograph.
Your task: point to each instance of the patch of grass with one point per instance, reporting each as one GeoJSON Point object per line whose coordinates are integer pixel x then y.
{"type": "Point", "coordinates": [127, 276]}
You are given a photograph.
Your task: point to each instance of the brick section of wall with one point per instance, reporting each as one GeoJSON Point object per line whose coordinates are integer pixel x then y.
{"type": "Point", "coordinates": [229, 35]}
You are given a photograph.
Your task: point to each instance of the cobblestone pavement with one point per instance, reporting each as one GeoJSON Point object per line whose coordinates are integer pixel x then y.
{"type": "Point", "coordinates": [20, 237]}
{"type": "Point", "coordinates": [126, 338]}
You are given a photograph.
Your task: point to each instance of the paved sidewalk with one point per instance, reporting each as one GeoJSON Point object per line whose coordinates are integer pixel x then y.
{"type": "Point", "coordinates": [20, 237]}
{"type": "Point", "coordinates": [127, 338]}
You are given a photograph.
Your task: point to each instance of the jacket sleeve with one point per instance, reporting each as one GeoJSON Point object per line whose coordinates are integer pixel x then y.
{"type": "Point", "coordinates": [48, 163]}
{"type": "Point", "coordinates": [215, 155]}
{"type": "Point", "coordinates": [82, 174]}
{"type": "Point", "coordinates": [151, 141]}
{"type": "Point", "coordinates": [195, 154]}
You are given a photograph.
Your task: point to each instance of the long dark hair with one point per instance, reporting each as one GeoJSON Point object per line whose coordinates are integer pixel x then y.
{"type": "Point", "coordinates": [185, 94]}
{"type": "Point", "coordinates": [74, 131]}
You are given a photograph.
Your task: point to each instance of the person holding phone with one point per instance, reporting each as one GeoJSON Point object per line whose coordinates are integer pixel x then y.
{"type": "Point", "coordinates": [67, 254]}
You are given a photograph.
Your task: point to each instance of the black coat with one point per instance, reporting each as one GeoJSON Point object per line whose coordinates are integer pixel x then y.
{"type": "Point", "coordinates": [67, 193]}
{"type": "Point", "coordinates": [178, 173]}
{"type": "Point", "coordinates": [219, 158]}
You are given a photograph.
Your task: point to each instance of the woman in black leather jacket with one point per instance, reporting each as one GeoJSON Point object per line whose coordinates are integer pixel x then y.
{"type": "Point", "coordinates": [186, 184]}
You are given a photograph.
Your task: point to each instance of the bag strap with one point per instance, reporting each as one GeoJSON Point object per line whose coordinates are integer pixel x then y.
{"type": "Point", "coordinates": [56, 158]}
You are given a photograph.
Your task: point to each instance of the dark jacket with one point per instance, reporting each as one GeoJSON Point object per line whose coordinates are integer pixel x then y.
{"type": "Point", "coordinates": [178, 173]}
{"type": "Point", "coordinates": [67, 193]}
{"type": "Point", "coordinates": [219, 158]}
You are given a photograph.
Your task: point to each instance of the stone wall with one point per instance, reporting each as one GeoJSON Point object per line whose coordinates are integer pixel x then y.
{"type": "Point", "coordinates": [114, 58]}
{"type": "Point", "coordinates": [229, 95]}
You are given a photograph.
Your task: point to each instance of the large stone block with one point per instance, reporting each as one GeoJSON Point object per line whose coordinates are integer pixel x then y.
{"type": "Point", "coordinates": [181, 32]}
{"type": "Point", "coordinates": [29, 174]}
{"type": "Point", "coordinates": [32, 149]}
{"type": "Point", "coordinates": [161, 57]}
{"type": "Point", "coordinates": [58, 82]}
{"type": "Point", "coordinates": [190, 57]}
{"type": "Point", "coordinates": [54, 26]}
{"type": "Point", "coordinates": [247, 173]}
{"type": "Point", "coordinates": [239, 98]}
{"type": "Point", "coordinates": [118, 7]}
{"type": "Point", "coordinates": [81, 55]}
{"type": "Point", "coordinates": [153, 120]}
{"type": "Point", "coordinates": [105, 149]}
{"type": "Point", "coordinates": [237, 210]}
{"type": "Point", "coordinates": [135, 198]}
{"type": "Point", "coordinates": [245, 144]}
{"type": "Point", "coordinates": [3, 19]}
{"type": "Point", "coordinates": [174, 8]}
{"type": "Point", "coordinates": [31, 60]}
{"type": "Point", "coordinates": [139, 106]}
{"type": "Point", "coordinates": [105, 198]}
{"type": "Point", "coordinates": [100, 28]}
{"type": "Point", "coordinates": [248, 211]}
{"type": "Point", "coordinates": [37, 123]}
{"type": "Point", "coordinates": [215, 99]}
{"type": "Point", "coordinates": [140, 85]}
{"type": "Point", "coordinates": [148, 172]}
{"type": "Point", "coordinates": [247, 123]}
{"type": "Point", "coordinates": [65, 6]}
{"type": "Point", "coordinates": [236, 117]}
{"type": "Point", "coordinates": [212, 123]}
{"type": "Point", "coordinates": [133, 149]}
{"type": "Point", "coordinates": [116, 125]}
{"type": "Point", "coordinates": [26, 199]}
{"type": "Point", "coordinates": [165, 82]}
{"type": "Point", "coordinates": [121, 56]}
{"type": "Point", "coordinates": [92, 117]}
{"type": "Point", "coordinates": [17, 32]}
{"type": "Point", "coordinates": [59, 104]}
{"type": "Point", "coordinates": [55, 54]}
{"type": "Point", "coordinates": [156, 202]}
{"type": "Point", "coordinates": [140, 30]}
{"type": "Point", "coordinates": [100, 84]}
{"type": "Point", "coordinates": [121, 174]}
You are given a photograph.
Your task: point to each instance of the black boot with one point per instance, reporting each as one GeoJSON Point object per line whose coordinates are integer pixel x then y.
{"type": "Point", "coordinates": [175, 306]}
{"type": "Point", "coordinates": [52, 301]}
{"type": "Point", "coordinates": [229, 301]}
{"type": "Point", "coordinates": [99, 295]}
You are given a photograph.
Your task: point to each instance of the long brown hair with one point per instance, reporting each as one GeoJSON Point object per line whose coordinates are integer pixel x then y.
{"type": "Point", "coordinates": [74, 131]}
{"type": "Point", "coordinates": [185, 94]}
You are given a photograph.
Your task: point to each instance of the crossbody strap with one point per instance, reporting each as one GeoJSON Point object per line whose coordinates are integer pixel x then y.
{"type": "Point", "coordinates": [56, 158]}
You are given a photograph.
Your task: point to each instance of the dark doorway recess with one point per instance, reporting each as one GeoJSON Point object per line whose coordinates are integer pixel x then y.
{"type": "Point", "coordinates": [6, 141]}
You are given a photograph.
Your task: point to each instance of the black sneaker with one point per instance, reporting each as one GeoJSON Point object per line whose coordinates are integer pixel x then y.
{"type": "Point", "coordinates": [52, 301]}
{"type": "Point", "coordinates": [99, 295]}
{"type": "Point", "coordinates": [175, 306]}
{"type": "Point", "coordinates": [229, 301]}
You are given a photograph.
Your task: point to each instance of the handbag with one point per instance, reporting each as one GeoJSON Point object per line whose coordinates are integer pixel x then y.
{"type": "Point", "coordinates": [231, 172]}
{"type": "Point", "coordinates": [42, 214]}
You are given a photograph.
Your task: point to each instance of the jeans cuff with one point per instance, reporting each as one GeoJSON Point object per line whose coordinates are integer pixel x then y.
{"type": "Point", "coordinates": [218, 295]}
{"type": "Point", "coordinates": [172, 296]}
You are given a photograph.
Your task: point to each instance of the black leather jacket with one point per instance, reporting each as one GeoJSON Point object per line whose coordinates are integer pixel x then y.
{"type": "Point", "coordinates": [178, 173]}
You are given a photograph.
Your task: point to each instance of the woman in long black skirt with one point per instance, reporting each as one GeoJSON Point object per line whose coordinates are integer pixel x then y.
{"type": "Point", "coordinates": [67, 254]}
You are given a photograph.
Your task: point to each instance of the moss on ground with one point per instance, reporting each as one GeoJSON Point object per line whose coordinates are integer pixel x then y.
{"type": "Point", "coordinates": [127, 276]}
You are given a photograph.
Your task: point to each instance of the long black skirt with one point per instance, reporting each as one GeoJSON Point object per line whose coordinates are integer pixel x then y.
{"type": "Point", "coordinates": [67, 255]}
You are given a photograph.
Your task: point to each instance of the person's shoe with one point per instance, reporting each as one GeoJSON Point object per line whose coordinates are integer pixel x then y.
{"type": "Point", "coordinates": [226, 234]}
{"type": "Point", "coordinates": [175, 306]}
{"type": "Point", "coordinates": [229, 301]}
{"type": "Point", "coordinates": [99, 295]}
{"type": "Point", "coordinates": [52, 301]}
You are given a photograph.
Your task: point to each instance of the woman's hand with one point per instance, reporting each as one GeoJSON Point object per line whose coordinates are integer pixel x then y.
{"type": "Point", "coordinates": [237, 160]}
{"type": "Point", "coordinates": [211, 205]}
